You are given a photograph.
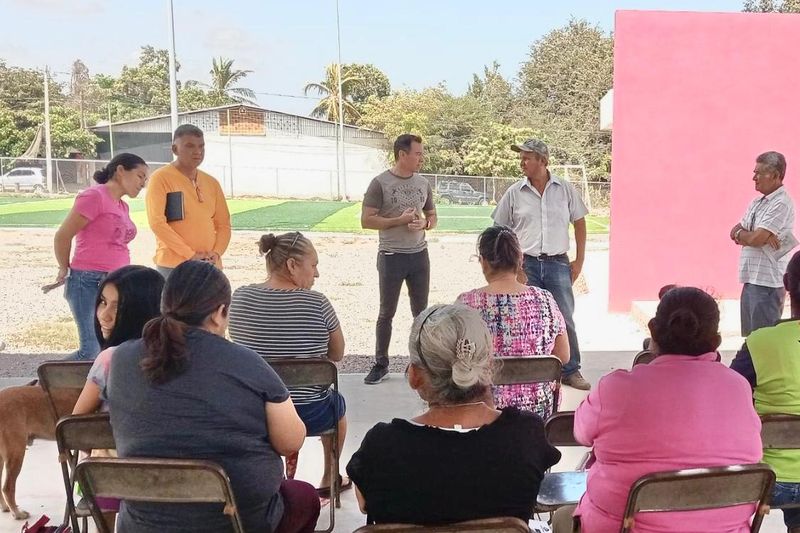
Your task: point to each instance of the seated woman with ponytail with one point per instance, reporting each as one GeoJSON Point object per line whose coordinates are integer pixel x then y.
{"type": "Point", "coordinates": [184, 391]}
{"type": "Point", "coordinates": [461, 459]}
{"type": "Point", "coordinates": [683, 410]}
{"type": "Point", "coordinates": [102, 228]}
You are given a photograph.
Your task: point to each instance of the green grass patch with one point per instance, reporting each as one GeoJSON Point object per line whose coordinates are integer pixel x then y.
{"type": "Point", "coordinates": [263, 214]}
{"type": "Point", "coordinates": [286, 216]}
{"type": "Point", "coordinates": [34, 218]}
{"type": "Point", "coordinates": [347, 219]}
{"type": "Point", "coordinates": [19, 199]}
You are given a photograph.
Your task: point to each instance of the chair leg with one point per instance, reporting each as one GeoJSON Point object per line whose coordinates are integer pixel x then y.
{"type": "Point", "coordinates": [291, 465]}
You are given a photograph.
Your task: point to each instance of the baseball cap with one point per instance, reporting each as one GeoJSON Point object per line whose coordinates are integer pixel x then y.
{"type": "Point", "coordinates": [532, 145]}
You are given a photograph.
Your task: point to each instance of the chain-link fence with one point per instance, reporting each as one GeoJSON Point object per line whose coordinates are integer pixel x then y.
{"type": "Point", "coordinates": [487, 190]}
{"type": "Point", "coordinates": [72, 175]}
{"type": "Point", "coordinates": [69, 175]}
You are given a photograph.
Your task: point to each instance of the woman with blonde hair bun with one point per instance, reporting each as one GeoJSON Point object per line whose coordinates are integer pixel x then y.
{"type": "Point", "coordinates": [424, 470]}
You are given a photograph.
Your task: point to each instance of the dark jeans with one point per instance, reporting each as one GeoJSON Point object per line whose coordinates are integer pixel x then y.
{"type": "Point", "coordinates": [394, 269]}
{"type": "Point", "coordinates": [760, 307]}
{"type": "Point", "coordinates": [300, 507]}
{"type": "Point", "coordinates": [786, 493]}
{"type": "Point", "coordinates": [552, 273]}
{"type": "Point", "coordinates": [80, 290]}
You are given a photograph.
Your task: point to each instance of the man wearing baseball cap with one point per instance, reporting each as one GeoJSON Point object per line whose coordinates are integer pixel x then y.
{"type": "Point", "coordinates": [540, 208]}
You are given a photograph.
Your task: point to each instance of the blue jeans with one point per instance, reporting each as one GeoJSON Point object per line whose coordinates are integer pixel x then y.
{"type": "Point", "coordinates": [783, 494]}
{"type": "Point", "coordinates": [553, 274]}
{"type": "Point", "coordinates": [80, 290]}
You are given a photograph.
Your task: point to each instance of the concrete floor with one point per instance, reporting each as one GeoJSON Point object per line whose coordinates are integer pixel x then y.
{"type": "Point", "coordinates": [40, 489]}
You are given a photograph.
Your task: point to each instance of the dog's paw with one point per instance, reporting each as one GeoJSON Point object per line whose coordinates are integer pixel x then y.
{"type": "Point", "coordinates": [19, 514]}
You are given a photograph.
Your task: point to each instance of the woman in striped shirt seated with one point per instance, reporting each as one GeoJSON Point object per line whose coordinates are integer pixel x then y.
{"type": "Point", "coordinates": [283, 317]}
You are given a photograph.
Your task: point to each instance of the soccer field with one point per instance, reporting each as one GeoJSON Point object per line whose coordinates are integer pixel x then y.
{"type": "Point", "coordinates": [265, 214]}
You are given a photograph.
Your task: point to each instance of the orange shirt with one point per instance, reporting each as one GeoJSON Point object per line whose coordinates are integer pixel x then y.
{"type": "Point", "coordinates": [206, 225]}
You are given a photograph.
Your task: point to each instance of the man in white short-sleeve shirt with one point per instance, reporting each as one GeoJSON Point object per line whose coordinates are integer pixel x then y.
{"type": "Point", "coordinates": [540, 208]}
{"type": "Point", "coordinates": [765, 235]}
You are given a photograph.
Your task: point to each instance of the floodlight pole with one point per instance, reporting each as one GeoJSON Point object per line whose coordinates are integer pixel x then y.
{"type": "Point", "coordinates": [341, 103]}
{"type": "Point", "coordinates": [173, 76]}
{"type": "Point", "coordinates": [48, 148]}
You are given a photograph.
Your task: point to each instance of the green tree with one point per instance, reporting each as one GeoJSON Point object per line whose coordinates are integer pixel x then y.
{"type": "Point", "coordinates": [373, 83]}
{"type": "Point", "coordinates": [224, 77]}
{"type": "Point", "coordinates": [444, 121]}
{"type": "Point", "coordinates": [328, 89]}
{"type": "Point", "coordinates": [493, 91]}
{"type": "Point", "coordinates": [22, 114]}
{"type": "Point", "coordinates": [567, 73]}
{"type": "Point", "coordinates": [771, 6]}
{"type": "Point", "coordinates": [488, 153]}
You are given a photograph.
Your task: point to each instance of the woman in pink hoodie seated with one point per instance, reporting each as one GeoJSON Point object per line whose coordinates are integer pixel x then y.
{"type": "Point", "coordinates": [683, 410]}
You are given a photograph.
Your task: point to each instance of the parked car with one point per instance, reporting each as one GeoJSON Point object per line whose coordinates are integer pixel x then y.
{"type": "Point", "coordinates": [458, 192]}
{"type": "Point", "coordinates": [26, 178]}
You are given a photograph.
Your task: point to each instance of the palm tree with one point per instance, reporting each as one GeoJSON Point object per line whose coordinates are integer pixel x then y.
{"type": "Point", "coordinates": [223, 79]}
{"type": "Point", "coordinates": [328, 89]}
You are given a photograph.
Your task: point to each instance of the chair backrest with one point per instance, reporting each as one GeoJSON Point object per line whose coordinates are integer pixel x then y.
{"type": "Point", "coordinates": [487, 525]}
{"type": "Point", "coordinates": [644, 357]}
{"type": "Point", "coordinates": [701, 488]}
{"type": "Point", "coordinates": [84, 432]}
{"type": "Point", "coordinates": [558, 429]}
{"type": "Point", "coordinates": [156, 480]}
{"type": "Point", "coordinates": [780, 431]}
{"type": "Point", "coordinates": [529, 369]}
{"type": "Point", "coordinates": [62, 375]}
{"type": "Point", "coordinates": [297, 372]}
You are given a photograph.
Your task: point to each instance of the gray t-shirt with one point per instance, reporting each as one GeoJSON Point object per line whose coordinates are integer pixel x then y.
{"type": "Point", "coordinates": [392, 195]}
{"type": "Point", "coordinates": [214, 410]}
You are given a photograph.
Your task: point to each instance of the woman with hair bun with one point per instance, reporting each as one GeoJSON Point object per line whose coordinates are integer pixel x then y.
{"type": "Point", "coordinates": [283, 317]}
{"type": "Point", "coordinates": [461, 459]}
{"type": "Point", "coordinates": [523, 320]}
{"type": "Point", "coordinates": [102, 227]}
{"type": "Point", "coordinates": [683, 410]}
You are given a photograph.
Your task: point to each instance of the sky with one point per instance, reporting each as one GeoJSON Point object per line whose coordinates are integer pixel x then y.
{"type": "Point", "coordinates": [288, 43]}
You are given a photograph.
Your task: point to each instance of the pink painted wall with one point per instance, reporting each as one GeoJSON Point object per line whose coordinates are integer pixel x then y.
{"type": "Point", "coordinates": [697, 96]}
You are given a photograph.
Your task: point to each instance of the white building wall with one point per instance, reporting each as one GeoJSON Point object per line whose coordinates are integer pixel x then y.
{"type": "Point", "coordinates": [297, 167]}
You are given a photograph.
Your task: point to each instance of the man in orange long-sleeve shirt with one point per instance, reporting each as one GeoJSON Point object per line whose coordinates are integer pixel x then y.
{"type": "Point", "coordinates": [202, 229]}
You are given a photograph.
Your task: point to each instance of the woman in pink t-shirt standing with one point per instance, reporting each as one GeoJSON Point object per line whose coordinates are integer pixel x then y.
{"type": "Point", "coordinates": [102, 227]}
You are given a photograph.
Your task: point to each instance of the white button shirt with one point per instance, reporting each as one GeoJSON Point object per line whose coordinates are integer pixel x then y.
{"type": "Point", "coordinates": [541, 221]}
{"type": "Point", "coordinates": [774, 213]}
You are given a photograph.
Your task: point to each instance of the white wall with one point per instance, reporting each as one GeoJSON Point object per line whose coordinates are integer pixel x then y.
{"type": "Point", "coordinates": [297, 167]}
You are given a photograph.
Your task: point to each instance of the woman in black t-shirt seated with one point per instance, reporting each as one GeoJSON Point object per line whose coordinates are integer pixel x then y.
{"type": "Point", "coordinates": [461, 459]}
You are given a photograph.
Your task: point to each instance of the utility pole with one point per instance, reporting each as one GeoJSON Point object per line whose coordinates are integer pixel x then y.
{"type": "Point", "coordinates": [173, 75]}
{"type": "Point", "coordinates": [110, 130]}
{"type": "Point", "coordinates": [230, 149]}
{"type": "Point", "coordinates": [48, 149]}
{"type": "Point", "coordinates": [341, 104]}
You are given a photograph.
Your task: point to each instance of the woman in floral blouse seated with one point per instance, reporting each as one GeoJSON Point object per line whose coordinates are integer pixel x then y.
{"type": "Point", "coordinates": [523, 320]}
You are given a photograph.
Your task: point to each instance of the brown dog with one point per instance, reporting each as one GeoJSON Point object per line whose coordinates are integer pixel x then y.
{"type": "Point", "coordinates": [25, 414]}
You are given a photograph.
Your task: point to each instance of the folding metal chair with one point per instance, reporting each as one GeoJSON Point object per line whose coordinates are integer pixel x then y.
{"type": "Point", "coordinates": [74, 434]}
{"type": "Point", "coordinates": [156, 480]}
{"type": "Point", "coordinates": [701, 488]}
{"type": "Point", "coordinates": [643, 358]}
{"type": "Point", "coordinates": [297, 372]}
{"type": "Point", "coordinates": [782, 432]}
{"type": "Point", "coordinates": [59, 375]}
{"type": "Point", "coordinates": [529, 370]}
{"type": "Point", "coordinates": [487, 525]}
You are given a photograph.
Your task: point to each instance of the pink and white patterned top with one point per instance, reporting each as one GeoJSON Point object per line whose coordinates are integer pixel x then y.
{"type": "Point", "coordinates": [521, 324]}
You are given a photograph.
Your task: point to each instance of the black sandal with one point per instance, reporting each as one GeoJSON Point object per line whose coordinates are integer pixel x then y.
{"type": "Point", "coordinates": [325, 492]}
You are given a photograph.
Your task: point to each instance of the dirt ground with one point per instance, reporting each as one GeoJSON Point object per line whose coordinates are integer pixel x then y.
{"type": "Point", "coordinates": [32, 322]}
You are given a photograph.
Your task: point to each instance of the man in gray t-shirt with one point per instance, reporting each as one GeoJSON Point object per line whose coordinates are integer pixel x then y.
{"type": "Point", "coordinates": [399, 204]}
